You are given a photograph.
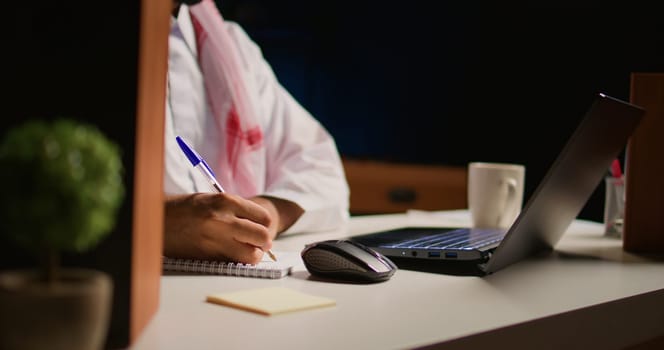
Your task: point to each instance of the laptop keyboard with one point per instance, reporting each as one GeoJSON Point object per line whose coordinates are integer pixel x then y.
{"type": "Point", "coordinates": [458, 239]}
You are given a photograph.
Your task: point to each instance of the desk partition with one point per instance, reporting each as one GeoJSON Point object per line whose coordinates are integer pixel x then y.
{"type": "Point", "coordinates": [643, 226]}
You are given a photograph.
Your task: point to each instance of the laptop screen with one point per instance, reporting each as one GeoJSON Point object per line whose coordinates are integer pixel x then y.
{"type": "Point", "coordinates": [570, 181]}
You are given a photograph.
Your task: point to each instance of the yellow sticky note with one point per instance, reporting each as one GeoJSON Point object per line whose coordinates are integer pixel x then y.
{"type": "Point", "coordinates": [270, 301]}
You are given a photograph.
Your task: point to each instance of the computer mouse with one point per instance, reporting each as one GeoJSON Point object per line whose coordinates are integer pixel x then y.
{"type": "Point", "coordinates": [347, 261]}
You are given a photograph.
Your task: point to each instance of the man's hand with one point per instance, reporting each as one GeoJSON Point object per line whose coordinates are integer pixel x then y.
{"type": "Point", "coordinates": [222, 226]}
{"type": "Point", "coordinates": [283, 213]}
{"type": "Point", "coordinates": [216, 226]}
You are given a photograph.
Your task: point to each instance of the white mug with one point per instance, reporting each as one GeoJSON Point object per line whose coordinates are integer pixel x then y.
{"type": "Point", "coordinates": [495, 193]}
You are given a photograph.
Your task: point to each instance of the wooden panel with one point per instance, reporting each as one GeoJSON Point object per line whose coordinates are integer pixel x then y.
{"type": "Point", "coordinates": [644, 189]}
{"type": "Point", "coordinates": [148, 209]}
{"type": "Point", "coordinates": [383, 187]}
{"type": "Point", "coordinates": [655, 343]}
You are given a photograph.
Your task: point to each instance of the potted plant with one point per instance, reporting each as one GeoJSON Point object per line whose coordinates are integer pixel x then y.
{"type": "Point", "coordinates": [62, 188]}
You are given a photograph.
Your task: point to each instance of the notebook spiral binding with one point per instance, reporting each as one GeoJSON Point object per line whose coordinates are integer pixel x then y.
{"type": "Point", "coordinates": [223, 268]}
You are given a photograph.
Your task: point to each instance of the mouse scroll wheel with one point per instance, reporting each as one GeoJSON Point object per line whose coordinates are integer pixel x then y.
{"type": "Point", "coordinates": [326, 261]}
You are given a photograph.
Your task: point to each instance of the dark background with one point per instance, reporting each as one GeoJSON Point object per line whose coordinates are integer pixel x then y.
{"type": "Point", "coordinates": [448, 82]}
{"type": "Point", "coordinates": [432, 82]}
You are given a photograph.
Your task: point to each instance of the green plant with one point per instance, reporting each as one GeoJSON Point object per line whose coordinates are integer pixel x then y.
{"type": "Point", "coordinates": [62, 188]}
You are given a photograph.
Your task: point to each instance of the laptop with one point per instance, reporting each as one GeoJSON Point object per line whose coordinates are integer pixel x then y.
{"type": "Point", "coordinates": [558, 199]}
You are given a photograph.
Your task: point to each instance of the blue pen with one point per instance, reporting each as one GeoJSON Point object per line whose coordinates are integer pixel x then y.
{"type": "Point", "coordinates": [198, 162]}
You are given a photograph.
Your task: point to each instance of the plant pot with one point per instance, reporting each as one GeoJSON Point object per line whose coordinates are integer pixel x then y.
{"type": "Point", "coordinates": [72, 313]}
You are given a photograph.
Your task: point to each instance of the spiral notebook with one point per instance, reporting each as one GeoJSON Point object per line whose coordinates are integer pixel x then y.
{"type": "Point", "coordinates": [264, 269]}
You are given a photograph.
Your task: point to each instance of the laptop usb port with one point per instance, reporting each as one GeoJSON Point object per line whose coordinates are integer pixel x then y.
{"type": "Point", "coordinates": [434, 254]}
{"type": "Point", "coordinates": [450, 255]}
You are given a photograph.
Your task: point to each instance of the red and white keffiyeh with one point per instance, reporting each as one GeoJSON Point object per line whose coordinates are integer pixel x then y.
{"type": "Point", "coordinates": [227, 96]}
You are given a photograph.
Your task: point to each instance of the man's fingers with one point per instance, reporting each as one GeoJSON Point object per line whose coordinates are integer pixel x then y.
{"type": "Point", "coordinates": [251, 233]}
{"type": "Point", "coordinates": [242, 208]}
{"type": "Point", "coordinates": [244, 253]}
{"type": "Point", "coordinates": [225, 227]}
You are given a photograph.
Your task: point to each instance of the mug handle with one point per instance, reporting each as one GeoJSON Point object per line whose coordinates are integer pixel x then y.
{"type": "Point", "coordinates": [509, 203]}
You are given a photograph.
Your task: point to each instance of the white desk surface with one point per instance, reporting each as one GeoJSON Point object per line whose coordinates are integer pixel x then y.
{"type": "Point", "coordinates": [587, 294]}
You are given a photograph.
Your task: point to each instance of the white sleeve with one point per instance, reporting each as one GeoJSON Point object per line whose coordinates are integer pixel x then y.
{"type": "Point", "coordinates": [303, 164]}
